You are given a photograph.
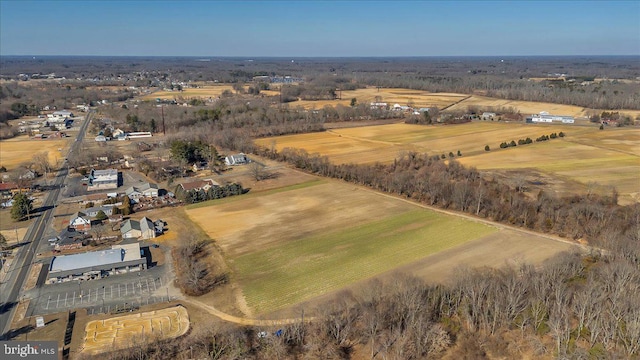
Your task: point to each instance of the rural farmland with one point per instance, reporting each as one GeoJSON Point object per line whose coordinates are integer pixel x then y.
{"type": "Point", "coordinates": [19, 150]}
{"type": "Point", "coordinates": [202, 92]}
{"type": "Point", "coordinates": [292, 244]}
{"type": "Point", "coordinates": [584, 155]}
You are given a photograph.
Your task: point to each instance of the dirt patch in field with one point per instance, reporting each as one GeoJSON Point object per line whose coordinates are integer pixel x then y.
{"type": "Point", "coordinates": [123, 331]}
{"type": "Point", "coordinates": [14, 235]}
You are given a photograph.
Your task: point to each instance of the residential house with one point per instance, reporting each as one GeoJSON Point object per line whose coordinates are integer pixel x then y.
{"type": "Point", "coordinates": [117, 133]}
{"type": "Point", "coordinates": [237, 159]}
{"type": "Point", "coordinates": [147, 190]}
{"type": "Point", "coordinates": [93, 211]}
{"type": "Point", "coordinates": [488, 115]}
{"type": "Point", "coordinates": [80, 222]}
{"type": "Point", "coordinates": [134, 229]}
{"type": "Point", "coordinates": [6, 189]}
{"type": "Point", "coordinates": [205, 185]}
{"type": "Point", "coordinates": [27, 174]}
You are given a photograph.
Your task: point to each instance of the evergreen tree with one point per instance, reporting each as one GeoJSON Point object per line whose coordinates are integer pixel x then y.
{"type": "Point", "coordinates": [22, 206]}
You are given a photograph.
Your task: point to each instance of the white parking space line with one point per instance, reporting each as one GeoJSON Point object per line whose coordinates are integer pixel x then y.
{"type": "Point", "coordinates": [58, 302]}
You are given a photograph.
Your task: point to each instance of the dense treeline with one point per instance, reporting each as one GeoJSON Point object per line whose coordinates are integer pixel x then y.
{"type": "Point", "coordinates": [576, 306]}
{"type": "Point", "coordinates": [449, 185]}
{"type": "Point", "coordinates": [603, 95]}
{"type": "Point", "coordinates": [29, 98]}
{"type": "Point", "coordinates": [506, 78]}
{"type": "Point", "coordinates": [214, 192]}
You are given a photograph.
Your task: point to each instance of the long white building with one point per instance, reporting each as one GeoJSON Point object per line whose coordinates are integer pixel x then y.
{"type": "Point", "coordinates": [545, 117]}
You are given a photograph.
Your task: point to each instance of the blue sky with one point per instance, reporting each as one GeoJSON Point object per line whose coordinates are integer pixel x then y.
{"type": "Point", "coordinates": [319, 28]}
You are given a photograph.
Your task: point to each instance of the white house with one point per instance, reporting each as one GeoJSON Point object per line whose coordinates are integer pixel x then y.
{"type": "Point", "coordinates": [93, 211]}
{"type": "Point", "coordinates": [488, 115]}
{"type": "Point", "coordinates": [237, 159]}
{"type": "Point", "coordinates": [117, 133]}
{"type": "Point", "coordinates": [80, 222]}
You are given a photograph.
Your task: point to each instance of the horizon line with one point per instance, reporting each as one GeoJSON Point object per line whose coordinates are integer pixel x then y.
{"type": "Point", "coordinates": [314, 56]}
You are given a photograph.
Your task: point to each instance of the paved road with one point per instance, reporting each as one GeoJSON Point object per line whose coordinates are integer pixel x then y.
{"type": "Point", "coordinates": [10, 291]}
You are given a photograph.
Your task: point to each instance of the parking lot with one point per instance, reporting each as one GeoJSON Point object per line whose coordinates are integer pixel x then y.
{"type": "Point", "coordinates": [104, 295]}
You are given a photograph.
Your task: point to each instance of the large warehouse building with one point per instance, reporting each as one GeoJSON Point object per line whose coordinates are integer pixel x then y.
{"type": "Point", "coordinates": [545, 117]}
{"type": "Point", "coordinates": [96, 264]}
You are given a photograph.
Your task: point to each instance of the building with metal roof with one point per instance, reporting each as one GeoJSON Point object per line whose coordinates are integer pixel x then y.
{"type": "Point", "coordinates": [102, 179]}
{"type": "Point", "coordinates": [96, 264]}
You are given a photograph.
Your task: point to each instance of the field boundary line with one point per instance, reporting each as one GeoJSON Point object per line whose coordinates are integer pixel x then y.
{"type": "Point", "coordinates": [363, 139]}
{"type": "Point", "coordinates": [456, 103]}
{"type": "Point", "coordinates": [487, 222]}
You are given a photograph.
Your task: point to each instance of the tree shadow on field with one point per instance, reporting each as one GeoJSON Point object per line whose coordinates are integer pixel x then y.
{"type": "Point", "coordinates": [13, 333]}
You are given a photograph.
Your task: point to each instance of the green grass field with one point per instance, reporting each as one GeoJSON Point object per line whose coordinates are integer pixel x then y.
{"type": "Point", "coordinates": [299, 270]}
{"type": "Point", "coordinates": [293, 243]}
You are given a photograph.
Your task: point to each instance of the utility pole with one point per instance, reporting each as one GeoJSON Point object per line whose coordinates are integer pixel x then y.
{"type": "Point", "coordinates": [164, 129]}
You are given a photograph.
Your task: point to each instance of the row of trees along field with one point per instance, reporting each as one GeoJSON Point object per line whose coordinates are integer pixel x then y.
{"type": "Point", "coordinates": [576, 306]}
{"type": "Point", "coordinates": [450, 185]}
